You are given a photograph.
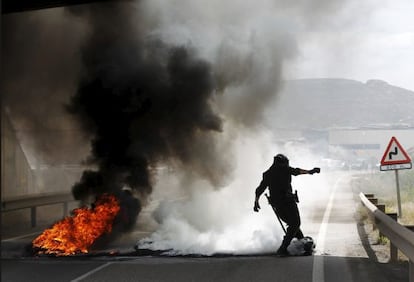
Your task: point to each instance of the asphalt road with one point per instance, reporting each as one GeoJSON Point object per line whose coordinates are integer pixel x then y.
{"type": "Point", "coordinates": [149, 268]}
{"type": "Point", "coordinates": [340, 255]}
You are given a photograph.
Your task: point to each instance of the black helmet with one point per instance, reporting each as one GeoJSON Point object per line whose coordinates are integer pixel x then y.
{"type": "Point", "coordinates": [281, 160]}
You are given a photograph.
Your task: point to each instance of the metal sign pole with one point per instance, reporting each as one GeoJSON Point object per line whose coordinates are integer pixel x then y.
{"type": "Point", "coordinates": [398, 193]}
{"type": "Point", "coordinates": [396, 158]}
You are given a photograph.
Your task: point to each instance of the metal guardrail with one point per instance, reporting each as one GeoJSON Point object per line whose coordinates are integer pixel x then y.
{"type": "Point", "coordinates": [34, 201]}
{"type": "Point", "coordinates": [399, 236]}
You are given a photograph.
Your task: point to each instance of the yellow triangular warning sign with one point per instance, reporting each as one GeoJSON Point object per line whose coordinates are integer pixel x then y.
{"type": "Point", "coordinates": [395, 154]}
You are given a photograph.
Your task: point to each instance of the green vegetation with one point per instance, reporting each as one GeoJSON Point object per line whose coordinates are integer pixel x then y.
{"type": "Point", "coordinates": [382, 240]}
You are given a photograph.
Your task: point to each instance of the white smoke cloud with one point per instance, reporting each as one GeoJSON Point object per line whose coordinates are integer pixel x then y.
{"type": "Point", "coordinates": [208, 221]}
{"type": "Point", "coordinates": [211, 221]}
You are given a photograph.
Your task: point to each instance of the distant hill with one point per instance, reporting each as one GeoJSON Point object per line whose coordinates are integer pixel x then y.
{"type": "Point", "coordinates": [327, 103]}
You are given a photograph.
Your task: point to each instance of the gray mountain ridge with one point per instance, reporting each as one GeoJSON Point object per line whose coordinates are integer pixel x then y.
{"type": "Point", "coordinates": [337, 103]}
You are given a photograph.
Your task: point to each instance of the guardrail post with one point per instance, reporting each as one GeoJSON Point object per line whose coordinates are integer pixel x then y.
{"type": "Point", "coordinates": [33, 216]}
{"type": "Point", "coordinates": [381, 207]}
{"type": "Point", "coordinates": [410, 262]}
{"type": "Point", "coordinates": [373, 201]}
{"type": "Point", "coordinates": [393, 248]}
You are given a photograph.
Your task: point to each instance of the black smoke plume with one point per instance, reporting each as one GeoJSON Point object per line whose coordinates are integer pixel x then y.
{"type": "Point", "coordinates": [142, 101]}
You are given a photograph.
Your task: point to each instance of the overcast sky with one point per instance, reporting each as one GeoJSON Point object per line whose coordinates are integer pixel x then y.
{"type": "Point", "coordinates": [355, 39]}
{"type": "Point", "coordinates": [368, 40]}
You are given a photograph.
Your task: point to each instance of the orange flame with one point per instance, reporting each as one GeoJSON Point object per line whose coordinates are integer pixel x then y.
{"type": "Point", "coordinates": [75, 234]}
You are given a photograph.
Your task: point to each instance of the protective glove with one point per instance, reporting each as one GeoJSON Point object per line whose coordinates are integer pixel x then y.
{"type": "Point", "coordinates": [315, 170]}
{"type": "Point", "coordinates": [256, 206]}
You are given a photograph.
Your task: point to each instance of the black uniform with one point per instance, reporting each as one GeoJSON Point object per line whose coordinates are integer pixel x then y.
{"type": "Point", "coordinates": [278, 179]}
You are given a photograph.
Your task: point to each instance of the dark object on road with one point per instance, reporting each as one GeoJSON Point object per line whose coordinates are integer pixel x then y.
{"type": "Point", "coordinates": [302, 247]}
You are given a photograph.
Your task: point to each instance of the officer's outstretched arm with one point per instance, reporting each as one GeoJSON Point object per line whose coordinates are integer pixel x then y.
{"type": "Point", "coordinates": [311, 171]}
{"type": "Point", "coordinates": [315, 170]}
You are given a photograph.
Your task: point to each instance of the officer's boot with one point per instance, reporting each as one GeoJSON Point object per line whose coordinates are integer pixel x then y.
{"type": "Point", "coordinates": [282, 251]}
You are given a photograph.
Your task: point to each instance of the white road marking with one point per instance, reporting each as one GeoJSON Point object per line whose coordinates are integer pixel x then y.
{"type": "Point", "coordinates": [318, 266]}
{"type": "Point", "coordinates": [91, 272]}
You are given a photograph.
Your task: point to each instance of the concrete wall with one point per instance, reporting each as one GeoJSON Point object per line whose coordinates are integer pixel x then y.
{"type": "Point", "coordinates": [16, 175]}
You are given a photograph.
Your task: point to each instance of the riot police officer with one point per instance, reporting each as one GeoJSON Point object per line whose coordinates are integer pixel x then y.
{"type": "Point", "coordinates": [278, 179]}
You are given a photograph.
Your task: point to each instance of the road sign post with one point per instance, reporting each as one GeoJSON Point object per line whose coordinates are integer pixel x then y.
{"type": "Point", "coordinates": [395, 158]}
{"type": "Point", "coordinates": [397, 181]}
